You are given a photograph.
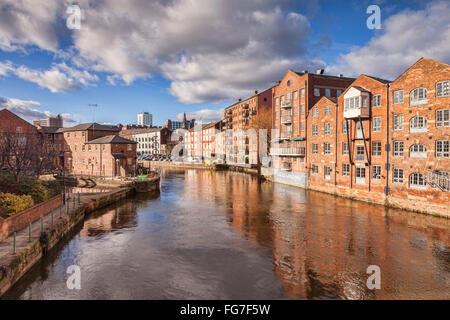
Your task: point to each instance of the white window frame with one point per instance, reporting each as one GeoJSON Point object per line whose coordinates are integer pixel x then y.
{"type": "Point", "coordinates": [442, 148]}
{"type": "Point", "coordinates": [398, 97]}
{"type": "Point", "coordinates": [398, 122]}
{"type": "Point", "coordinates": [378, 151]}
{"type": "Point", "coordinates": [327, 110]}
{"type": "Point", "coordinates": [398, 149]}
{"type": "Point", "coordinates": [327, 92]}
{"type": "Point", "coordinates": [315, 112]}
{"type": "Point", "coordinates": [417, 181]}
{"type": "Point", "coordinates": [315, 148]}
{"type": "Point", "coordinates": [443, 87]}
{"type": "Point", "coordinates": [443, 118]}
{"type": "Point", "coordinates": [315, 130]}
{"type": "Point", "coordinates": [345, 151]}
{"type": "Point", "coordinates": [376, 172]}
{"type": "Point", "coordinates": [418, 151]}
{"type": "Point", "coordinates": [418, 96]}
{"type": "Point", "coordinates": [327, 173]}
{"type": "Point", "coordinates": [345, 169]}
{"type": "Point", "coordinates": [397, 175]}
{"type": "Point", "coordinates": [345, 126]}
{"type": "Point", "coordinates": [326, 148]}
{"type": "Point", "coordinates": [360, 156]}
{"type": "Point", "coordinates": [376, 124]}
{"type": "Point", "coordinates": [327, 128]}
{"type": "Point", "coordinates": [360, 175]}
{"type": "Point", "coordinates": [414, 124]}
{"type": "Point", "coordinates": [376, 101]}
{"type": "Point", "coordinates": [317, 92]}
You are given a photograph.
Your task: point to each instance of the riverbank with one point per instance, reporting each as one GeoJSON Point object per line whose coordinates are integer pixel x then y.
{"type": "Point", "coordinates": [200, 166]}
{"type": "Point", "coordinates": [30, 248]}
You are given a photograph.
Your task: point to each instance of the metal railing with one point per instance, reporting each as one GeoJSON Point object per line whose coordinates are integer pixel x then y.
{"type": "Point", "coordinates": [295, 151]}
{"type": "Point", "coordinates": [440, 180]}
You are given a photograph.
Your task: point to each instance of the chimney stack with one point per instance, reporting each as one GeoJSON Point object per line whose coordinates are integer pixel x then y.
{"type": "Point", "coordinates": [320, 71]}
{"type": "Point", "coordinates": [256, 91]}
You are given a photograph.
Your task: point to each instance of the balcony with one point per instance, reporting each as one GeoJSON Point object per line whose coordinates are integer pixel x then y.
{"type": "Point", "coordinates": [286, 135]}
{"type": "Point", "coordinates": [244, 122]}
{"type": "Point", "coordinates": [245, 106]}
{"type": "Point", "coordinates": [286, 104]}
{"type": "Point", "coordinates": [253, 112]}
{"type": "Point", "coordinates": [229, 112]}
{"type": "Point", "coordinates": [286, 166]}
{"type": "Point", "coordinates": [439, 179]}
{"type": "Point", "coordinates": [245, 113]}
{"type": "Point", "coordinates": [293, 152]}
{"type": "Point", "coordinates": [286, 119]}
{"type": "Point", "coordinates": [357, 103]}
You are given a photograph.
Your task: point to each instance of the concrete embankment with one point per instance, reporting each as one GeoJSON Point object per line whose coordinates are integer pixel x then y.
{"type": "Point", "coordinates": [56, 225]}
{"type": "Point", "coordinates": [186, 165]}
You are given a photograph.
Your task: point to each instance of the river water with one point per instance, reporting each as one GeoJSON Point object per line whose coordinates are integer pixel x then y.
{"type": "Point", "coordinates": [227, 235]}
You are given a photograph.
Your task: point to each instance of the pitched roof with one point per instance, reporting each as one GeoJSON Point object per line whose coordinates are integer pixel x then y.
{"type": "Point", "coordinates": [50, 130]}
{"type": "Point", "coordinates": [110, 139]}
{"type": "Point", "coordinates": [422, 59]}
{"type": "Point", "coordinates": [142, 130]}
{"type": "Point", "coordinates": [378, 79]}
{"type": "Point", "coordinates": [16, 116]}
{"type": "Point", "coordinates": [90, 126]}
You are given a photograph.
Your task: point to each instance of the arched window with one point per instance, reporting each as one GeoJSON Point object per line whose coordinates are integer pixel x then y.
{"type": "Point", "coordinates": [418, 96]}
{"type": "Point", "coordinates": [418, 124]}
{"type": "Point", "coordinates": [417, 181]}
{"type": "Point", "coordinates": [418, 151]}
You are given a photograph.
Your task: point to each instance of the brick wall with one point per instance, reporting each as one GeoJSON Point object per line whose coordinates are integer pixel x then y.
{"type": "Point", "coordinates": [22, 219]}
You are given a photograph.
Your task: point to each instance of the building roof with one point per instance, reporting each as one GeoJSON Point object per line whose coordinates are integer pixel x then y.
{"type": "Point", "coordinates": [16, 116]}
{"type": "Point", "coordinates": [49, 130]}
{"type": "Point", "coordinates": [90, 126]}
{"type": "Point", "coordinates": [254, 95]}
{"type": "Point", "coordinates": [378, 79]}
{"type": "Point", "coordinates": [140, 131]}
{"type": "Point", "coordinates": [359, 88]}
{"type": "Point", "coordinates": [110, 139]}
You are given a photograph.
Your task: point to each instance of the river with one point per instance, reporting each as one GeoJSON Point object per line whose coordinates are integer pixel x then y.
{"type": "Point", "coordinates": [227, 235]}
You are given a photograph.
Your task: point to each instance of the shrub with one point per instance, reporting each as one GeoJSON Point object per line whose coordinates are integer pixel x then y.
{"type": "Point", "coordinates": [12, 204]}
{"type": "Point", "coordinates": [40, 191]}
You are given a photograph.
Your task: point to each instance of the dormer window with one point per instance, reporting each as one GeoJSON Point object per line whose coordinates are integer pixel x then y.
{"type": "Point", "coordinates": [418, 96]}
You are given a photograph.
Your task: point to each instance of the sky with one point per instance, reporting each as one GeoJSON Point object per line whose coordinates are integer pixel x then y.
{"type": "Point", "coordinates": [167, 57]}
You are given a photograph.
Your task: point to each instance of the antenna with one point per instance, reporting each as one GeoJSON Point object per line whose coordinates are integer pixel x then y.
{"type": "Point", "coordinates": [94, 105]}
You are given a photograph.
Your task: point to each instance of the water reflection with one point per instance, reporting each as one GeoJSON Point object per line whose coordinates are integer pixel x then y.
{"type": "Point", "coordinates": [228, 235]}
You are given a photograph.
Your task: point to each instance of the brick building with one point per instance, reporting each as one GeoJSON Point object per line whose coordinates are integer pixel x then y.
{"type": "Point", "coordinates": [95, 149]}
{"type": "Point", "coordinates": [419, 133]}
{"type": "Point", "coordinates": [239, 118]}
{"type": "Point", "coordinates": [293, 98]}
{"type": "Point", "coordinates": [149, 140]}
{"type": "Point", "coordinates": [209, 132]}
{"type": "Point", "coordinates": [322, 133]}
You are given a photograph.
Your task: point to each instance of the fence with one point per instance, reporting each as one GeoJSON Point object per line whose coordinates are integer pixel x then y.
{"type": "Point", "coordinates": [22, 219]}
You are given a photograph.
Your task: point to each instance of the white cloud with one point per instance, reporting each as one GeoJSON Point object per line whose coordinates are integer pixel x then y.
{"type": "Point", "coordinates": [406, 37]}
{"type": "Point", "coordinates": [59, 78]}
{"type": "Point", "coordinates": [28, 109]}
{"type": "Point", "coordinates": [204, 115]}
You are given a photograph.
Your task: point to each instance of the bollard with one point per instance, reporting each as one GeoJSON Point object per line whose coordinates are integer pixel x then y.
{"type": "Point", "coordinates": [14, 243]}
{"type": "Point", "coordinates": [29, 232]}
{"type": "Point", "coordinates": [42, 224]}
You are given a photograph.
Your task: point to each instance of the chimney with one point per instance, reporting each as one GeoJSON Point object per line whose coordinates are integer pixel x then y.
{"type": "Point", "coordinates": [239, 100]}
{"type": "Point", "coordinates": [320, 71]}
{"type": "Point", "coordinates": [305, 71]}
{"type": "Point", "coordinates": [256, 91]}
{"type": "Point", "coordinates": [340, 75]}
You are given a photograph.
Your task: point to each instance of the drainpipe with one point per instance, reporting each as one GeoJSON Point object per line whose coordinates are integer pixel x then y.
{"type": "Point", "coordinates": [336, 143]}
{"type": "Point", "coordinates": [387, 145]}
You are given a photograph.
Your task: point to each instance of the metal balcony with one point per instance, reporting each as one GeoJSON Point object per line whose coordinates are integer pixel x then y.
{"type": "Point", "coordinates": [293, 152]}
{"type": "Point", "coordinates": [286, 104]}
{"type": "Point", "coordinates": [245, 106]}
{"type": "Point", "coordinates": [245, 113]}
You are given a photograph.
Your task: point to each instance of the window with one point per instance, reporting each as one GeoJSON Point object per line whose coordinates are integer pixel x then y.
{"type": "Point", "coordinates": [376, 172]}
{"type": "Point", "coordinates": [316, 92]}
{"type": "Point", "coordinates": [442, 118]}
{"type": "Point", "coordinates": [303, 108]}
{"type": "Point", "coordinates": [315, 148]}
{"type": "Point", "coordinates": [295, 127]}
{"type": "Point", "coordinates": [326, 148]}
{"type": "Point", "coordinates": [129, 147]}
{"type": "Point", "coordinates": [398, 148]}
{"type": "Point", "coordinates": [315, 129]}
{"type": "Point", "coordinates": [302, 126]}
{"type": "Point", "coordinates": [417, 181]}
{"type": "Point", "coordinates": [351, 103]}
{"type": "Point", "coordinates": [83, 147]}
{"type": "Point", "coordinates": [376, 124]}
{"type": "Point", "coordinates": [302, 93]}
{"type": "Point", "coordinates": [295, 111]}
{"type": "Point", "coordinates": [376, 100]}
{"type": "Point", "coordinates": [360, 153]}
{"type": "Point", "coordinates": [276, 115]}
{"type": "Point", "coordinates": [345, 127]}
{"type": "Point", "coordinates": [326, 128]}
{"type": "Point", "coordinates": [345, 169]}
{"type": "Point", "coordinates": [327, 92]}
{"type": "Point", "coordinates": [295, 95]}
{"type": "Point", "coordinates": [288, 96]}
{"type": "Point", "coordinates": [398, 175]}
{"type": "Point", "coordinates": [360, 175]}
{"type": "Point", "coordinates": [315, 168]}
{"type": "Point", "coordinates": [344, 148]}
{"type": "Point", "coordinates": [418, 96]}
{"type": "Point", "coordinates": [327, 110]}
{"type": "Point", "coordinates": [338, 92]}
{"type": "Point", "coordinates": [376, 148]}
{"type": "Point", "coordinates": [443, 148]}
{"type": "Point", "coordinates": [418, 151]}
{"type": "Point", "coordinates": [326, 172]}
{"type": "Point", "coordinates": [398, 122]}
{"type": "Point", "coordinates": [277, 100]}
{"type": "Point", "coordinates": [398, 96]}
{"type": "Point", "coordinates": [359, 130]}
{"type": "Point", "coordinates": [442, 89]}
{"type": "Point", "coordinates": [418, 124]}
{"type": "Point", "coordinates": [315, 112]}
{"type": "Point", "coordinates": [89, 147]}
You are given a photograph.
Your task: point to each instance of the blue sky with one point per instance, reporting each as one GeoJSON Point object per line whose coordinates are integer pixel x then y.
{"type": "Point", "coordinates": [194, 56]}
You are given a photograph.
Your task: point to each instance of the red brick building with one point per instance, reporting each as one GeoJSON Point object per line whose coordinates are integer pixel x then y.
{"type": "Point", "coordinates": [419, 133]}
{"type": "Point", "coordinates": [322, 133]}
{"type": "Point", "coordinates": [95, 149]}
{"type": "Point", "coordinates": [293, 99]}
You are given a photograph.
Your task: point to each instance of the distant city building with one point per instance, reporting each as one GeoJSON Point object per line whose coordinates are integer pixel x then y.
{"type": "Point", "coordinates": [50, 122]}
{"type": "Point", "coordinates": [145, 119]}
{"type": "Point", "coordinates": [150, 140]}
{"type": "Point", "coordinates": [184, 124]}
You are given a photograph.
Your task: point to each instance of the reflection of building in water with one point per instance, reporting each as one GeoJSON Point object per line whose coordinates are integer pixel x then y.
{"type": "Point", "coordinates": [122, 216]}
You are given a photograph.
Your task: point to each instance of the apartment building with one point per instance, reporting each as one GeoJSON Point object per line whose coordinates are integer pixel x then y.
{"type": "Point", "coordinates": [322, 142]}
{"type": "Point", "coordinates": [95, 149]}
{"type": "Point", "coordinates": [420, 133]}
{"type": "Point", "coordinates": [293, 98]}
{"type": "Point", "coordinates": [208, 141]}
{"type": "Point", "coordinates": [149, 140]}
{"type": "Point", "coordinates": [193, 141]}
{"type": "Point", "coordinates": [50, 122]}
{"type": "Point", "coordinates": [242, 124]}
